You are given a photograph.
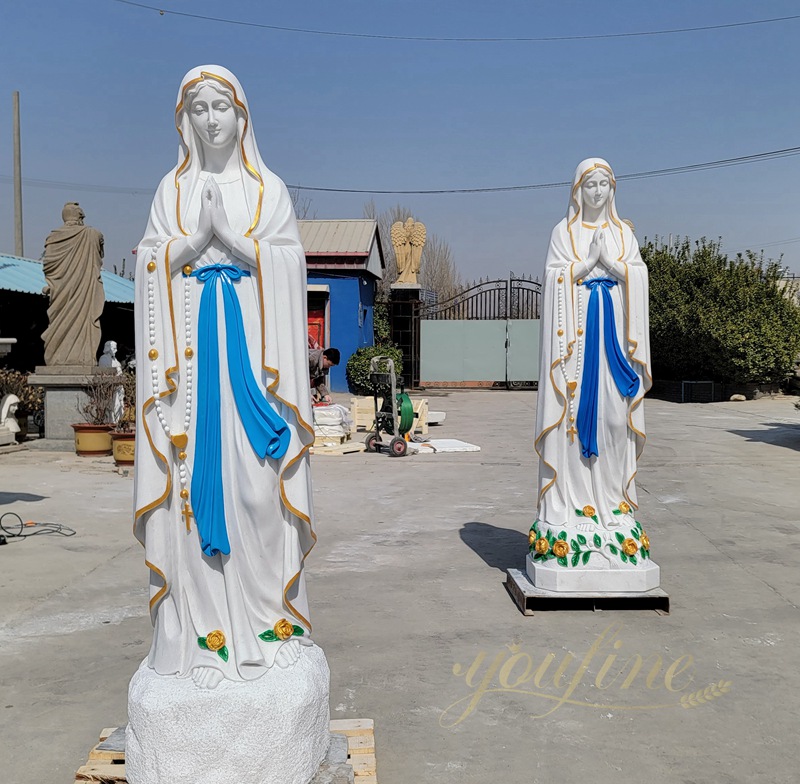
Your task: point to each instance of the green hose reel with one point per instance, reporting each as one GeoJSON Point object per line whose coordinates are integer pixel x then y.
{"type": "Point", "coordinates": [405, 411]}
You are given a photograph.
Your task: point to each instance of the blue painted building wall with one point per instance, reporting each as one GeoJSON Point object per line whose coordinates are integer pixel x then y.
{"type": "Point", "coordinates": [351, 298]}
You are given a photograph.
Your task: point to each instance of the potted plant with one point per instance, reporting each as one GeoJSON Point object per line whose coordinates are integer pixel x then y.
{"type": "Point", "coordinates": [31, 398]}
{"type": "Point", "coordinates": [123, 438]}
{"type": "Point", "coordinates": [93, 435]}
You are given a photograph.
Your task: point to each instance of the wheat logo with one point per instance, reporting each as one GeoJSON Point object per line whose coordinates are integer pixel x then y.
{"type": "Point", "coordinates": [702, 696]}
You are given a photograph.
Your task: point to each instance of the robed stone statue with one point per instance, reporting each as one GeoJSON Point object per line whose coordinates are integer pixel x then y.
{"type": "Point", "coordinates": [73, 257]}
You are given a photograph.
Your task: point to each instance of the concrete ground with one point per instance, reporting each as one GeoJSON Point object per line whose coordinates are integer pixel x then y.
{"type": "Point", "coordinates": [407, 597]}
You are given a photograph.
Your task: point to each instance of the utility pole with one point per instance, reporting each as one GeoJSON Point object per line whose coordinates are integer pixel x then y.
{"type": "Point", "coordinates": [18, 246]}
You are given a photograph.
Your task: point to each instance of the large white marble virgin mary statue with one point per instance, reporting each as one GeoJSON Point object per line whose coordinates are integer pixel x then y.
{"type": "Point", "coordinates": [594, 373]}
{"type": "Point", "coordinates": [222, 488]}
{"type": "Point", "coordinates": [222, 485]}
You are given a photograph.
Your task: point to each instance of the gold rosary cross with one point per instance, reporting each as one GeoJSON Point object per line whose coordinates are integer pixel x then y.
{"type": "Point", "coordinates": [572, 432]}
{"type": "Point", "coordinates": [186, 514]}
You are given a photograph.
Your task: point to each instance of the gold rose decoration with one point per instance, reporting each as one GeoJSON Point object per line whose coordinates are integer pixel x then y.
{"type": "Point", "coordinates": [531, 537]}
{"type": "Point", "coordinates": [629, 547]}
{"type": "Point", "coordinates": [282, 630]}
{"type": "Point", "coordinates": [560, 548]}
{"type": "Point", "coordinates": [645, 540]}
{"type": "Point", "coordinates": [214, 641]}
{"type": "Point", "coordinates": [624, 507]}
{"type": "Point", "coordinates": [541, 546]}
{"type": "Point", "coordinates": [588, 511]}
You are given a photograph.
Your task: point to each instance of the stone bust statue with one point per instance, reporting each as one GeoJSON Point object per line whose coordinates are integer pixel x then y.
{"type": "Point", "coordinates": [73, 257]}
{"type": "Point", "coordinates": [8, 410]}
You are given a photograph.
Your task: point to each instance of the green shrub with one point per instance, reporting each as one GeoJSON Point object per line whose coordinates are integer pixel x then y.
{"type": "Point", "coordinates": [358, 366]}
{"type": "Point", "coordinates": [719, 319]}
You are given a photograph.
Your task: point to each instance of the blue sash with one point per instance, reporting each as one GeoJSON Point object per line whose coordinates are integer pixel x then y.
{"type": "Point", "coordinates": [267, 432]}
{"type": "Point", "coordinates": [626, 380]}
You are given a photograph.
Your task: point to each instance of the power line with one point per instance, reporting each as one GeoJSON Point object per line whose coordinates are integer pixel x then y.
{"type": "Point", "coordinates": [692, 167]}
{"type": "Point", "coordinates": [517, 39]}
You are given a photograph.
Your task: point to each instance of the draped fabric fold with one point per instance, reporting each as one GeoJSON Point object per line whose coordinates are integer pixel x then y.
{"type": "Point", "coordinates": [267, 432]}
{"type": "Point", "coordinates": [625, 379]}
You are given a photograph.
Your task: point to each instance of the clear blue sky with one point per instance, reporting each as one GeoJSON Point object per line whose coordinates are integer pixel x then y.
{"type": "Point", "coordinates": [98, 81]}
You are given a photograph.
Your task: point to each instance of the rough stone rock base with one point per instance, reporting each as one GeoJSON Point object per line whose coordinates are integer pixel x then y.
{"type": "Point", "coordinates": [552, 577]}
{"type": "Point", "coordinates": [273, 730]}
{"type": "Point", "coordinates": [335, 769]}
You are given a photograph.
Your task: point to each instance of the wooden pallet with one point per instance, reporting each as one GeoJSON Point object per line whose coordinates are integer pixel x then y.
{"type": "Point", "coordinates": [106, 763]}
{"type": "Point", "coordinates": [347, 448]}
{"type": "Point", "coordinates": [362, 410]}
{"type": "Point", "coordinates": [325, 440]}
{"type": "Point", "coordinates": [530, 599]}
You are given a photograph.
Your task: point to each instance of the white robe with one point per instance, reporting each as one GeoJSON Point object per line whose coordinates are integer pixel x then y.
{"type": "Point", "coordinates": [568, 481]}
{"type": "Point", "coordinates": [268, 505]}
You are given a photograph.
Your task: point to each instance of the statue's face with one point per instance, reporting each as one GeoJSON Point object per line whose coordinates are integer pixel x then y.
{"type": "Point", "coordinates": [213, 117]}
{"type": "Point", "coordinates": [596, 189]}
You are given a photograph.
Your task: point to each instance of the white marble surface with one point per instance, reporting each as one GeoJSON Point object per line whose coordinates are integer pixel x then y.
{"type": "Point", "coordinates": [552, 577]}
{"type": "Point", "coordinates": [273, 730]}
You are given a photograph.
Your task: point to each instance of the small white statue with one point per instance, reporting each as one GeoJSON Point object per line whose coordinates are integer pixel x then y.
{"type": "Point", "coordinates": [109, 356]}
{"type": "Point", "coordinates": [8, 410]}
{"type": "Point", "coordinates": [595, 371]}
{"type": "Point", "coordinates": [109, 360]}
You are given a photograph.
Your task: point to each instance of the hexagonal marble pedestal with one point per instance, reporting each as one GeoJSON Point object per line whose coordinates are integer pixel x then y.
{"type": "Point", "coordinates": [581, 579]}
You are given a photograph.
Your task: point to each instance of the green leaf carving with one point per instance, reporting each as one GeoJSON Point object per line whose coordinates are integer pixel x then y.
{"type": "Point", "coordinates": [613, 549]}
{"type": "Point", "coordinates": [298, 631]}
{"type": "Point", "coordinates": [619, 536]}
{"type": "Point", "coordinates": [598, 542]}
{"type": "Point", "coordinates": [624, 557]}
{"type": "Point", "coordinates": [562, 561]}
{"type": "Point", "coordinates": [632, 559]}
{"type": "Point", "coordinates": [579, 512]}
{"type": "Point", "coordinates": [616, 511]}
{"type": "Point", "coordinates": [581, 538]}
{"type": "Point", "coordinates": [596, 519]}
{"type": "Point", "coordinates": [586, 557]}
{"type": "Point", "coordinates": [201, 641]}
{"type": "Point", "coordinates": [223, 653]}
{"type": "Point", "coordinates": [268, 636]}
{"type": "Point", "coordinates": [635, 534]}
{"type": "Point", "coordinates": [574, 545]}
{"type": "Point", "coordinates": [575, 558]}
{"type": "Point", "coordinates": [562, 535]}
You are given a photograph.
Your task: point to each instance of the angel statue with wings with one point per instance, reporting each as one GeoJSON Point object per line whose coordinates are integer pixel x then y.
{"type": "Point", "coordinates": [408, 240]}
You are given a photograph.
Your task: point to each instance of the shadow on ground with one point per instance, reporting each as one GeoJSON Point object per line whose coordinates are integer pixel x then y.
{"type": "Point", "coordinates": [13, 498]}
{"type": "Point", "coordinates": [779, 434]}
{"type": "Point", "coordinates": [500, 548]}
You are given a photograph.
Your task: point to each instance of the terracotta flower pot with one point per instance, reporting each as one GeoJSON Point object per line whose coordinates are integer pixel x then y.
{"type": "Point", "coordinates": [92, 440]}
{"type": "Point", "coordinates": [123, 445]}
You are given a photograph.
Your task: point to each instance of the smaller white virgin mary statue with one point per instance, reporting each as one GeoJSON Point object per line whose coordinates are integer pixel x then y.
{"type": "Point", "coordinates": [594, 373]}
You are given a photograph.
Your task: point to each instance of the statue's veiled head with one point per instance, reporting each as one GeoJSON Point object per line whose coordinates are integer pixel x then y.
{"type": "Point", "coordinates": [72, 214]}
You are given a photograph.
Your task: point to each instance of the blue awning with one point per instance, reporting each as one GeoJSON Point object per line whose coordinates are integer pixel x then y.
{"type": "Point", "coordinates": [27, 277]}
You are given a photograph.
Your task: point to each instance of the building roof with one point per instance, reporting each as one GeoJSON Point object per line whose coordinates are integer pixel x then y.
{"type": "Point", "coordinates": [27, 277]}
{"type": "Point", "coordinates": [334, 237]}
{"type": "Point", "coordinates": [339, 245]}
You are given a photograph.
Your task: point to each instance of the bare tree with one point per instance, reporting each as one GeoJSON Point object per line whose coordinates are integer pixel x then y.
{"type": "Point", "coordinates": [438, 271]}
{"type": "Point", "coordinates": [301, 204]}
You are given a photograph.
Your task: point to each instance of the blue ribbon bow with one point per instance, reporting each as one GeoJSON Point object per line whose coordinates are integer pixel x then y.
{"type": "Point", "coordinates": [626, 380]}
{"type": "Point", "coordinates": [266, 430]}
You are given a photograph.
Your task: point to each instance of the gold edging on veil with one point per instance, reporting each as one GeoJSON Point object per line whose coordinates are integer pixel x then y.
{"type": "Point", "coordinates": [249, 166]}
{"type": "Point", "coordinates": [272, 387]}
{"type": "Point", "coordinates": [578, 207]}
{"type": "Point", "coordinates": [171, 389]}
